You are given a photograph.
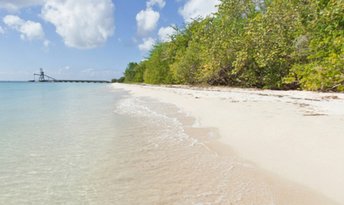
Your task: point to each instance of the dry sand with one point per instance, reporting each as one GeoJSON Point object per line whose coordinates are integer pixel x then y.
{"type": "Point", "coordinates": [297, 136]}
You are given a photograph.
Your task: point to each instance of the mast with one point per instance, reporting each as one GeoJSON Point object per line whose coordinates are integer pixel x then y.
{"type": "Point", "coordinates": [41, 75]}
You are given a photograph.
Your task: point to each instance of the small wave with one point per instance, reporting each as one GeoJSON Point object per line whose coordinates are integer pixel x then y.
{"type": "Point", "coordinates": [170, 127]}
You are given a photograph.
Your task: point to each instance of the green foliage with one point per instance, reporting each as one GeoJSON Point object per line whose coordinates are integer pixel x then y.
{"type": "Point", "coordinates": [324, 69]}
{"type": "Point", "coordinates": [119, 80]}
{"type": "Point", "coordinates": [276, 44]}
{"type": "Point", "coordinates": [130, 72]}
{"type": "Point", "coordinates": [135, 72]}
{"type": "Point", "coordinates": [157, 66]}
{"type": "Point", "coordinates": [139, 72]}
{"type": "Point", "coordinates": [269, 47]}
{"type": "Point", "coordinates": [186, 66]}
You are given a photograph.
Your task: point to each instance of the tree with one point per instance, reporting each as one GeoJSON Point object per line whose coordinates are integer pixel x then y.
{"type": "Point", "coordinates": [157, 66]}
{"type": "Point", "coordinates": [275, 44]}
{"type": "Point", "coordinates": [324, 69]}
{"type": "Point", "coordinates": [130, 72]}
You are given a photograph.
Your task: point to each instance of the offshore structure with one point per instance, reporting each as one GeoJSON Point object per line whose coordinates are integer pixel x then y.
{"type": "Point", "coordinates": [43, 78]}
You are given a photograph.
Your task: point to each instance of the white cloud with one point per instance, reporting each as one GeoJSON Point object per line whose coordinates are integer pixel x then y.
{"type": "Point", "coordinates": [46, 43]}
{"type": "Point", "coordinates": [147, 21]}
{"type": "Point", "coordinates": [29, 30]}
{"type": "Point", "coordinates": [14, 5]}
{"type": "Point", "coordinates": [147, 44]}
{"type": "Point", "coordinates": [165, 33]}
{"type": "Point", "coordinates": [82, 24]}
{"type": "Point", "coordinates": [2, 31]}
{"type": "Point", "coordinates": [160, 3]}
{"type": "Point", "coordinates": [198, 8]}
{"type": "Point", "coordinates": [13, 21]}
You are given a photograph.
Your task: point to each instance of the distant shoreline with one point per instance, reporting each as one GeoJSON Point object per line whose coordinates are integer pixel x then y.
{"type": "Point", "coordinates": [14, 81]}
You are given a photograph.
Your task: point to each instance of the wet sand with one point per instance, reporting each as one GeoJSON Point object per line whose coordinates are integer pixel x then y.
{"type": "Point", "coordinates": [293, 139]}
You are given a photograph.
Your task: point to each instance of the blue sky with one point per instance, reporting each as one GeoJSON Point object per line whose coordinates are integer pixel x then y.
{"type": "Point", "coordinates": [86, 39]}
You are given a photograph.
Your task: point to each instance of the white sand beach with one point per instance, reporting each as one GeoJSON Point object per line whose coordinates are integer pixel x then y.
{"type": "Point", "coordinates": [294, 135]}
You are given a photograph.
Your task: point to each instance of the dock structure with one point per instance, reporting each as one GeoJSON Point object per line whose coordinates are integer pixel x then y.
{"type": "Point", "coordinates": [81, 81]}
{"type": "Point", "coordinates": [43, 78]}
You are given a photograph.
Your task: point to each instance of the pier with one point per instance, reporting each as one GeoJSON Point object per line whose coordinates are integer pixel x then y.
{"type": "Point", "coordinates": [81, 81]}
{"type": "Point", "coordinates": [43, 78]}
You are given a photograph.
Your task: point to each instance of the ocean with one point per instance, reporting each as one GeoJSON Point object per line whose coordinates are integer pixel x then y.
{"type": "Point", "coordinates": [93, 144]}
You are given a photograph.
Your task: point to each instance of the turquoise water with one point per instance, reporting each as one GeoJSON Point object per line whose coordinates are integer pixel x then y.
{"type": "Point", "coordinates": [52, 136]}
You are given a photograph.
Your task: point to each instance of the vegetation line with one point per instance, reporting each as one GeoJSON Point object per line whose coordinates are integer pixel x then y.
{"type": "Point", "coordinates": [273, 44]}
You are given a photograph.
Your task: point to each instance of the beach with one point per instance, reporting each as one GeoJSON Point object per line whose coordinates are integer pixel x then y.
{"type": "Point", "coordinates": [293, 139]}
{"type": "Point", "coordinates": [140, 144]}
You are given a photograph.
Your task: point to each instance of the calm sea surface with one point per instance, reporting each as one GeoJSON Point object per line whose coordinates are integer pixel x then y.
{"type": "Point", "coordinates": [52, 139]}
{"type": "Point", "coordinates": [93, 144]}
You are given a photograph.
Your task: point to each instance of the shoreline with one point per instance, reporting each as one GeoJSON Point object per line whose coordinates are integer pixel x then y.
{"type": "Point", "coordinates": [294, 135]}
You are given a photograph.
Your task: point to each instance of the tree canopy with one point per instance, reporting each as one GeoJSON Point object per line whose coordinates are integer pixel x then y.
{"type": "Point", "coordinates": [274, 44]}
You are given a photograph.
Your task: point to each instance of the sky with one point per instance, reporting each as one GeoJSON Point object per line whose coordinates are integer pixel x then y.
{"type": "Point", "coordinates": [87, 39]}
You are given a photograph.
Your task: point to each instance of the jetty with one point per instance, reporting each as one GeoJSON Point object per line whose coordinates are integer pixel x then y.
{"type": "Point", "coordinates": [43, 78]}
